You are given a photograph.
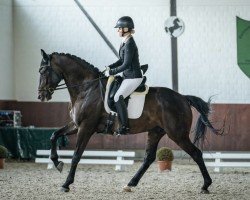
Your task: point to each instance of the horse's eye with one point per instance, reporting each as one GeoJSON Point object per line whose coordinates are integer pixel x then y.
{"type": "Point", "coordinates": [42, 69]}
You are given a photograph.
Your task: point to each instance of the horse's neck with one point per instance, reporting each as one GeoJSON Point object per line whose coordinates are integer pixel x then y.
{"type": "Point", "coordinates": [78, 86]}
{"type": "Point", "coordinates": [77, 79]}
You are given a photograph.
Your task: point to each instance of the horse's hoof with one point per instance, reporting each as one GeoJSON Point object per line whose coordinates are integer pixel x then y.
{"type": "Point", "coordinates": [63, 189]}
{"type": "Point", "coordinates": [127, 189]}
{"type": "Point", "coordinates": [204, 191]}
{"type": "Point", "coordinates": [59, 167]}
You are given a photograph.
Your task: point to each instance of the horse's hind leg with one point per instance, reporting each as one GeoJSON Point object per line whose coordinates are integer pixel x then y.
{"type": "Point", "coordinates": [196, 154]}
{"type": "Point", "coordinates": [69, 129]}
{"type": "Point", "coordinates": [154, 137]}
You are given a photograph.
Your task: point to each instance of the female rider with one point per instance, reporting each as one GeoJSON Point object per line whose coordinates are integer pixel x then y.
{"type": "Point", "coordinates": [129, 65]}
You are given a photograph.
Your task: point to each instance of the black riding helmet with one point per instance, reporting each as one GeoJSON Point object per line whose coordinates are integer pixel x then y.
{"type": "Point", "coordinates": [125, 22]}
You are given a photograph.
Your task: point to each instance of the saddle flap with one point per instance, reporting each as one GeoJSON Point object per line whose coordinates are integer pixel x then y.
{"type": "Point", "coordinates": [135, 100]}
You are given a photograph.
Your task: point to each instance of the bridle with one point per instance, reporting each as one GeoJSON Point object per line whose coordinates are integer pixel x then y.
{"type": "Point", "coordinates": [48, 72]}
{"type": "Point", "coordinates": [62, 86]}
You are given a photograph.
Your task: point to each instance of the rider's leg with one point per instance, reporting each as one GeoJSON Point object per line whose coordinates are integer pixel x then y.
{"type": "Point", "coordinates": [121, 109]}
{"type": "Point", "coordinates": [127, 87]}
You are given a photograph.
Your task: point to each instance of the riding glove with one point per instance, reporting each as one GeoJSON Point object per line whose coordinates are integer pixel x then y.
{"type": "Point", "coordinates": [112, 71]}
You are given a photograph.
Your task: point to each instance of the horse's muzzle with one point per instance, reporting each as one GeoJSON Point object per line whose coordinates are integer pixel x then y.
{"type": "Point", "coordinates": [44, 96]}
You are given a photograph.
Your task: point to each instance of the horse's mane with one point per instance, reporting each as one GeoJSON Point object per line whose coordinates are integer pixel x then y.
{"type": "Point", "coordinates": [80, 61]}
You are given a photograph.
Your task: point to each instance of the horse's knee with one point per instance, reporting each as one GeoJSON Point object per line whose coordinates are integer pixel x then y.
{"type": "Point", "coordinates": [53, 137]}
{"type": "Point", "coordinates": [76, 159]}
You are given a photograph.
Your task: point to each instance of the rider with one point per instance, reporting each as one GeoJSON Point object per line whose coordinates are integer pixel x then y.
{"type": "Point", "coordinates": [129, 64]}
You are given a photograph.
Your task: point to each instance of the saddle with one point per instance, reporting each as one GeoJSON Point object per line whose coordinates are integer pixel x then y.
{"type": "Point", "coordinates": [135, 102]}
{"type": "Point", "coordinates": [114, 86]}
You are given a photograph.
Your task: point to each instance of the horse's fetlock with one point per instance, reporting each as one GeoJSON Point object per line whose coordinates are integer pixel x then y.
{"type": "Point", "coordinates": [54, 157]}
{"type": "Point", "coordinates": [69, 181]}
{"type": "Point", "coordinates": [133, 183]}
{"type": "Point", "coordinates": [208, 182]}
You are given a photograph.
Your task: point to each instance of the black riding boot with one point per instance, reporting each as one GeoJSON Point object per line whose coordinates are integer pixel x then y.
{"type": "Point", "coordinates": [122, 111]}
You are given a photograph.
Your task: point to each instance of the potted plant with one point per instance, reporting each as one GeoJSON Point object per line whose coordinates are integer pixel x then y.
{"type": "Point", "coordinates": [3, 155]}
{"type": "Point", "coordinates": [165, 157]}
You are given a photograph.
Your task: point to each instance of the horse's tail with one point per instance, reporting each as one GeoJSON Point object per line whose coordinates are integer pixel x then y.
{"type": "Point", "coordinates": [203, 122]}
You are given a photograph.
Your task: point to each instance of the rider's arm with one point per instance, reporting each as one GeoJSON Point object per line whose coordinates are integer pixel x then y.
{"type": "Point", "coordinates": [116, 64]}
{"type": "Point", "coordinates": [128, 56]}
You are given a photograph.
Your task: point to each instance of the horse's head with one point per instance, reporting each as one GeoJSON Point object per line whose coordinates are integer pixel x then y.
{"type": "Point", "coordinates": [49, 78]}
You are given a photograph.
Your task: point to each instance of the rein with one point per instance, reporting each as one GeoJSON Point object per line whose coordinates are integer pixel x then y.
{"type": "Point", "coordinates": [76, 85]}
{"type": "Point", "coordinates": [58, 87]}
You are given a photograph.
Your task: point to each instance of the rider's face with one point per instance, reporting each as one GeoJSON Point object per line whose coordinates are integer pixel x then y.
{"type": "Point", "coordinates": [121, 32]}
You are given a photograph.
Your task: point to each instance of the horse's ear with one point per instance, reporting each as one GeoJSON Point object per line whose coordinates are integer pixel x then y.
{"type": "Point", "coordinates": [44, 55]}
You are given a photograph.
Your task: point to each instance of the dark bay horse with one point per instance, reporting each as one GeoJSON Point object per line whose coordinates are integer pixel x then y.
{"type": "Point", "coordinates": [165, 112]}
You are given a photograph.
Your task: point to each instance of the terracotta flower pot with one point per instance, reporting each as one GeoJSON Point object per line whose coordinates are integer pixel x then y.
{"type": "Point", "coordinates": [164, 165]}
{"type": "Point", "coordinates": [2, 163]}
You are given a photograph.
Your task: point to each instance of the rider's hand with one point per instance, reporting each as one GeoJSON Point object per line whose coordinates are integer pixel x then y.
{"type": "Point", "coordinates": [112, 72]}
{"type": "Point", "coordinates": [107, 71]}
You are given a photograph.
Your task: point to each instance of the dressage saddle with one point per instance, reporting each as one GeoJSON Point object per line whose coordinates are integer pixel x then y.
{"type": "Point", "coordinates": [117, 83]}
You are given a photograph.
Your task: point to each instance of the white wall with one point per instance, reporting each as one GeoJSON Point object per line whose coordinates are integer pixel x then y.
{"type": "Point", "coordinates": [61, 26]}
{"type": "Point", "coordinates": [206, 51]}
{"type": "Point", "coordinates": [6, 55]}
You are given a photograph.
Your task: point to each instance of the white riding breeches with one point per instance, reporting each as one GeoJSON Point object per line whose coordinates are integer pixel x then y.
{"type": "Point", "coordinates": [127, 87]}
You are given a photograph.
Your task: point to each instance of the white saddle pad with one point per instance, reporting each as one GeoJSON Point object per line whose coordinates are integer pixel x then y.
{"type": "Point", "coordinates": [135, 103]}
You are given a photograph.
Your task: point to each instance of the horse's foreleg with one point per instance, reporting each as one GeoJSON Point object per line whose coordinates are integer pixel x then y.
{"type": "Point", "coordinates": [154, 137]}
{"type": "Point", "coordinates": [69, 129]}
{"type": "Point", "coordinates": [83, 137]}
